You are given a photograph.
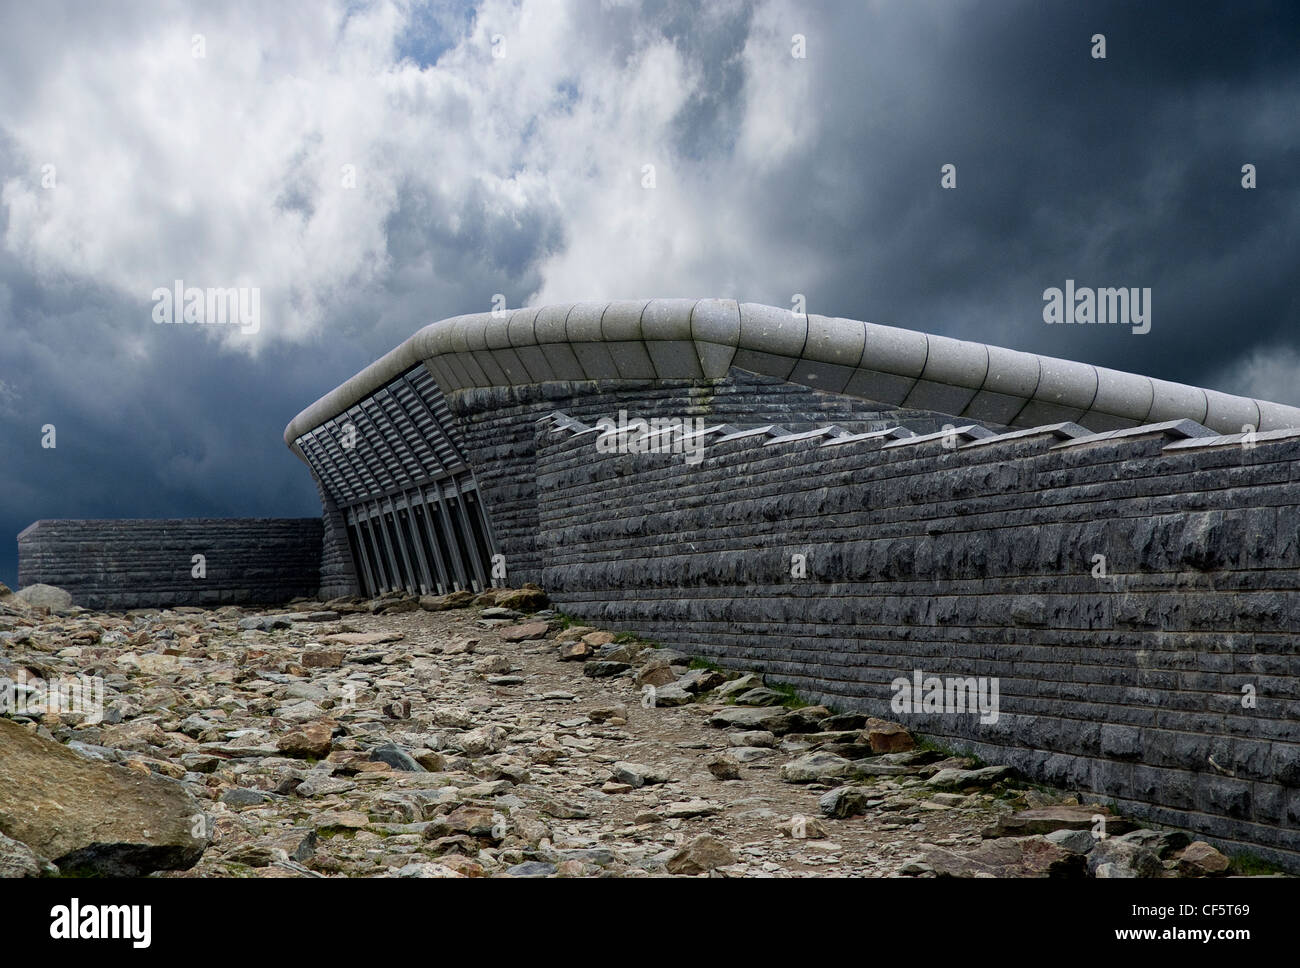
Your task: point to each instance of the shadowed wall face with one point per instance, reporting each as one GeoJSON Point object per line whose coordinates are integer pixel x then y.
{"type": "Point", "coordinates": [144, 563]}
{"type": "Point", "coordinates": [1163, 676]}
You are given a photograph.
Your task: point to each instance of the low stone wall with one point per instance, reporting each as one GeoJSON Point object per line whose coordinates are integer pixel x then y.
{"type": "Point", "coordinates": [144, 563]}
{"type": "Point", "coordinates": [1169, 683]}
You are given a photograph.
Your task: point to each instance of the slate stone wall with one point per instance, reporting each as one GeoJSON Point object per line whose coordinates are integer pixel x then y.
{"type": "Point", "coordinates": [144, 563]}
{"type": "Point", "coordinates": [498, 426]}
{"type": "Point", "coordinates": [980, 562]}
{"type": "Point", "coordinates": [337, 569]}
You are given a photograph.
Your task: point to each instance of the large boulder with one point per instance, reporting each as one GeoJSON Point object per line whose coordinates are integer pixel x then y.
{"type": "Point", "coordinates": [887, 737]}
{"type": "Point", "coordinates": [1034, 856]}
{"type": "Point", "coordinates": [805, 719]}
{"type": "Point", "coordinates": [846, 801]}
{"type": "Point", "coordinates": [440, 603]}
{"type": "Point", "coordinates": [526, 632]}
{"type": "Point", "coordinates": [312, 741]}
{"type": "Point", "coordinates": [530, 598]}
{"type": "Point", "coordinates": [92, 817]}
{"type": "Point", "coordinates": [636, 774]}
{"type": "Point", "coordinates": [702, 854]}
{"type": "Point", "coordinates": [816, 768]}
{"type": "Point", "coordinates": [1045, 820]}
{"type": "Point", "coordinates": [1163, 843]}
{"type": "Point", "coordinates": [747, 718]}
{"type": "Point", "coordinates": [1116, 857]}
{"type": "Point", "coordinates": [1202, 860]}
{"type": "Point", "coordinates": [47, 596]}
{"type": "Point", "coordinates": [958, 779]}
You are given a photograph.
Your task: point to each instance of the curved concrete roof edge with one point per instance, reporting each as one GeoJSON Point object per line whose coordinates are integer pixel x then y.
{"type": "Point", "coordinates": [926, 371]}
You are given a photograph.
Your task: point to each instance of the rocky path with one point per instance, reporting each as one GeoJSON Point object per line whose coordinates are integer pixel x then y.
{"type": "Point", "coordinates": [388, 739]}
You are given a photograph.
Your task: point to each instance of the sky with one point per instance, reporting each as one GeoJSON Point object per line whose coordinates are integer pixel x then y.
{"type": "Point", "coordinates": [369, 168]}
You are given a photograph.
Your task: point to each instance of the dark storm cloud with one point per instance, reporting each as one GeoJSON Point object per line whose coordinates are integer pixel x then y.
{"type": "Point", "coordinates": [1123, 171]}
{"type": "Point", "coordinates": [189, 431]}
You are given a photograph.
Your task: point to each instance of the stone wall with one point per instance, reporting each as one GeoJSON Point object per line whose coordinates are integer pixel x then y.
{"type": "Point", "coordinates": [338, 569]}
{"type": "Point", "coordinates": [980, 561]}
{"type": "Point", "coordinates": [142, 563]}
{"type": "Point", "coordinates": [498, 427]}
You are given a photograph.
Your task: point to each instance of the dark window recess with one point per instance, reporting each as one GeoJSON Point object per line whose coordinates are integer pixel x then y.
{"type": "Point", "coordinates": [435, 563]}
{"type": "Point", "coordinates": [354, 545]}
{"type": "Point", "coordinates": [422, 581]}
{"type": "Point", "coordinates": [444, 546]}
{"type": "Point", "coordinates": [479, 526]}
{"type": "Point", "coordinates": [377, 560]}
{"type": "Point", "coordinates": [403, 577]}
{"type": "Point", "coordinates": [454, 509]}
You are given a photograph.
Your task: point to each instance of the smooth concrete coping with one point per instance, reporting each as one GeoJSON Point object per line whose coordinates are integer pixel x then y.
{"type": "Point", "coordinates": [1056, 431]}
{"type": "Point", "coordinates": [1168, 428]}
{"type": "Point", "coordinates": [771, 330]}
{"type": "Point", "coordinates": [549, 325]}
{"type": "Point", "coordinates": [582, 323]}
{"type": "Point", "coordinates": [1225, 409]}
{"type": "Point", "coordinates": [1275, 416]}
{"type": "Point", "coordinates": [888, 349]}
{"type": "Point", "coordinates": [969, 432]}
{"type": "Point", "coordinates": [835, 341]}
{"type": "Point", "coordinates": [956, 363]}
{"type": "Point", "coordinates": [1173, 401]}
{"type": "Point", "coordinates": [1011, 373]}
{"type": "Point", "coordinates": [649, 340]}
{"type": "Point", "coordinates": [1123, 393]}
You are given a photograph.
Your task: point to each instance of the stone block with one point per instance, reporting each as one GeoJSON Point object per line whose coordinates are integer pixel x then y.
{"type": "Point", "coordinates": [621, 321]}
{"type": "Point", "coordinates": [519, 328]}
{"type": "Point", "coordinates": [1123, 395]}
{"type": "Point", "coordinates": [1173, 401]}
{"type": "Point", "coordinates": [772, 331]}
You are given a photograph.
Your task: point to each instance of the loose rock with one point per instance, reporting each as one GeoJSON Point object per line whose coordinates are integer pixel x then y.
{"type": "Point", "coordinates": [704, 853]}
{"type": "Point", "coordinates": [1199, 859]}
{"type": "Point", "coordinates": [91, 817]}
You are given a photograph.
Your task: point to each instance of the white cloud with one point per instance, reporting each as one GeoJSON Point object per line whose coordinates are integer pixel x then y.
{"type": "Point", "coordinates": [227, 170]}
{"type": "Point", "coordinates": [167, 166]}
